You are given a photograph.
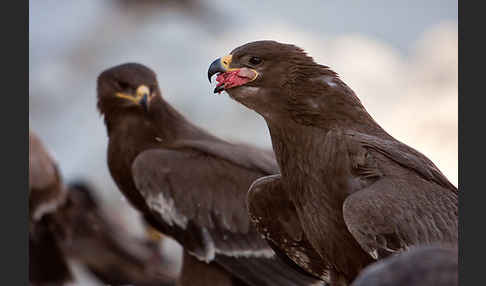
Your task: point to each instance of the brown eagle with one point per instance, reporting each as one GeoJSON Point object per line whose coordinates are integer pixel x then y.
{"type": "Point", "coordinates": [419, 266]}
{"type": "Point", "coordinates": [47, 264]}
{"type": "Point", "coordinates": [355, 194]}
{"type": "Point", "coordinates": [67, 223]}
{"type": "Point", "coordinates": [101, 245]}
{"type": "Point", "coordinates": [188, 184]}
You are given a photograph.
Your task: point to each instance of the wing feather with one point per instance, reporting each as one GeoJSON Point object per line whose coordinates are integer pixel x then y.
{"type": "Point", "coordinates": [275, 217]}
{"type": "Point", "coordinates": [202, 198]}
{"type": "Point", "coordinates": [404, 155]}
{"type": "Point", "coordinates": [391, 215]}
{"type": "Point", "coordinates": [408, 201]}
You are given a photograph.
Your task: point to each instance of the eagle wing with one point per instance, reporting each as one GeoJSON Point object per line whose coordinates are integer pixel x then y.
{"type": "Point", "coordinates": [200, 199]}
{"type": "Point", "coordinates": [275, 217]}
{"type": "Point", "coordinates": [408, 202]}
{"type": "Point", "coordinates": [88, 235]}
{"type": "Point", "coordinates": [404, 155]}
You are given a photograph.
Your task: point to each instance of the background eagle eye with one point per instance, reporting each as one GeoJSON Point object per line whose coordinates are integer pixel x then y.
{"type": "Point", "coordinates": [255, 60]}
{"type": "Point", "coordinates": [123, 85]}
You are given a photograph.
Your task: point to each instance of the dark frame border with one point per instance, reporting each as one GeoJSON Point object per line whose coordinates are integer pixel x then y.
{"type": "Point", "coordinates": [15, 116]}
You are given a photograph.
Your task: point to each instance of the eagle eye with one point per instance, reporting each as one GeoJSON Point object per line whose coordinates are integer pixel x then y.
{"type": "Point", "coordinates": [123, 85]}
{"type": "Point", "coordinates": [255, 60]}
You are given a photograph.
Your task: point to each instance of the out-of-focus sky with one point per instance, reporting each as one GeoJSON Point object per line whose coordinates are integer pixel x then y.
{"type": "Point", "coordinates": [400, 57]}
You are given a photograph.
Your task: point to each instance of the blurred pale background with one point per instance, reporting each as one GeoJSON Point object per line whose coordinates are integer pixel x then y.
{"type": "Point", "coordinates": [400, 57]}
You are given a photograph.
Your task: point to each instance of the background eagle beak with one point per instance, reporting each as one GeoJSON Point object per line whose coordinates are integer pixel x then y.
{"type": "Point", "coordinates": [144, 102]}
{"type": "Point", "coordinates": [215, 67]}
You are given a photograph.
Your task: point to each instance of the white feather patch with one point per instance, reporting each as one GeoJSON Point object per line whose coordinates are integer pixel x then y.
{"type": "Point", "coordinates": [45, 208]}
{"type": "Point", "coordinates": [374, 253]}
{"type": "Point", "coordinates": [209, 248]}
{"type": "Point", "coordinates": [50, 206]}
{"type": "Point", "coordinates": [208, 245]}
{"type": "Point", "coordinates": [165, 207]}
{"type": "Point", "coordinates": [327, 80]}
{"type": "Point", "coordinates": [266, 253]}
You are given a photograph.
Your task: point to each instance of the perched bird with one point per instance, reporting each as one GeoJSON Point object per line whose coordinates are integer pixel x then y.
{"type": "Point", "coordinates": [352, 192]}
{"type": "Point", "coordinates": [67, 223]}
{"type": "Point", "coordinates": [46, 191]}
{"type": "Point", "coordinates": [87, 235]}
{"type": "Point", "coordinates": [420, 266]}
{"type": "Point", "coordinates": [188, 184]}
{"type": "Point", "coordinates": [47, 264]}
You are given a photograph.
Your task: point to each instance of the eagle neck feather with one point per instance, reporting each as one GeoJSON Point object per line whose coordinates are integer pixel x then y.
{"type": "Point", "coordinates": [307, 155]}
{"type": "Point", "coordinates": [132, 132]}
{"type": "Point", "coordinates": [318, 97]}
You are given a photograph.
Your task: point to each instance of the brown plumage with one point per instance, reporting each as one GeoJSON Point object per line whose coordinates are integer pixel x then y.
{"type": "Point", "coordinates": [47, 264]}
{"type": "Point", "coordinates": [187, 183]}
{"type": "Point", "coordinates": [66, 223]}
{"type": "Point", "coordinates": [356, 193]}
{"type": "Point", "coordinates": [419, 266]}
{"type": "Point", "coordinates": [46, 191]}
{"type": "Point", "coordinates": [87, 235]}
{"type": "Point", "coordinates": [197, 273]}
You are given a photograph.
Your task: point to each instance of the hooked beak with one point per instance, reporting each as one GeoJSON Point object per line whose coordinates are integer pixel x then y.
{"type": "Point", "coordinates": [141, 97]}
{"type": "Point", "coordinates": [229, 77]}
{"type": "Point", "coordinates": [219, 65]}
{"type": "Point", "coordinates": [144, 102]}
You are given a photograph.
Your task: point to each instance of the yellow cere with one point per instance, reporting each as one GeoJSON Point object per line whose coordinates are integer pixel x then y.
{"type": "Point", "coordinates": [226, 61]}
{"type": "Point", "coordinates": [140, 92]}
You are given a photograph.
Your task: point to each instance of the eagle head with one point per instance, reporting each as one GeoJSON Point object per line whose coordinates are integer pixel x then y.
{"type": "Point", "coordinates": [262, 75]}
{"type": "Point", "coordinates": [129, 86]}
